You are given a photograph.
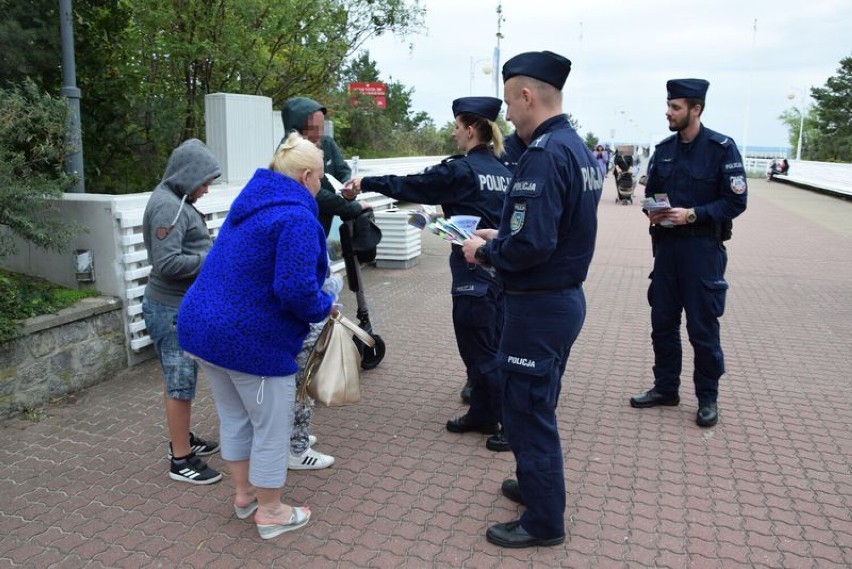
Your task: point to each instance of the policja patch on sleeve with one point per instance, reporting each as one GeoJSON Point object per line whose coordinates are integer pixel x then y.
{"type": "Point", "coordinates": [518, 217]}
{"type": "Point", "coordinates": [738, 184]}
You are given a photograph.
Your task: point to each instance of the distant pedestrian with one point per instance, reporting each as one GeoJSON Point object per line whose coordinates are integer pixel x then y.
{"type": "Point", "coordinates": [702, 173]}
{"type": "Point", "coordinates": [542, 251]}
{"type": "Point", "coordinates": [177, 240]}
{"type": "Point", "coordinates": [602, 156]}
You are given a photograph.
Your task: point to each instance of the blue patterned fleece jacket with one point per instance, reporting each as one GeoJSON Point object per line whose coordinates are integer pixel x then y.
{"type": "Point", "coordinates": [260, 285]}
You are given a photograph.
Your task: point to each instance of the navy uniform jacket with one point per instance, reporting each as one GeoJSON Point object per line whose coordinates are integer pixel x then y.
{"type": "Point", "coordinates": [463, 185]}
{"type": "Point", "coordinates": [547, 235]}
{"type": "Point", "coordinates": [707, 174]}
{"type": "Point", "coordinates": [514, 148]}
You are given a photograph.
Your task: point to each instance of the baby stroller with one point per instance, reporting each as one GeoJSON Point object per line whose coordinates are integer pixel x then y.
{"type": "Point", "coordinates": [625, 181]}
{"type": "Point", "coordinates": [625, 184]}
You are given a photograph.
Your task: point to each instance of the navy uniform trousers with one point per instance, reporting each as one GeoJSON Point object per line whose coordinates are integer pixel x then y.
{"type": "Point", "coordinates": [478, 321]}
{"type": "Point", "coordinates": [688, 276]}
{"type": "Point", "coordinates": [538, 332]}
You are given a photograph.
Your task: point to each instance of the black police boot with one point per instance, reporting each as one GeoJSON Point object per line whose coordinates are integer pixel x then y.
{"type": "Point", "coordinates": [708, 415]}
{"type": "Point", "coordinates": [653, 398]}
{"type": "Point", "coordinates": [498, 442]}
{"type": "Point", "coordinates": [463, 424]}
{"type": "Point", "coordinates": [465, 392]}
{"type": "Point", "coordinates": [512, 490]}
{"type": "Point", "coordinates": [514, 536]}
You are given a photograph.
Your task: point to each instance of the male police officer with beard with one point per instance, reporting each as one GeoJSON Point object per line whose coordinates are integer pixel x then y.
{"type": "Point", "coordinates": [542, 251]}
{"type": "Point", "coordinates": [702, 173]}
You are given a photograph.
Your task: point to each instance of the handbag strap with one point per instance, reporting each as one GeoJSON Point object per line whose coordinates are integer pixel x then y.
{"type": "Point", "coordinates": [355, 329]}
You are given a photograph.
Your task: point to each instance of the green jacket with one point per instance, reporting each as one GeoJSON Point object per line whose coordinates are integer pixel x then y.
{"type": "Point", "coordinates": [294, 116]}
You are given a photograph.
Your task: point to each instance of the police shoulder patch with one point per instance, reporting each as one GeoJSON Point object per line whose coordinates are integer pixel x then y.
{"type": "Point", "coordinates": [738, 184]}
{"type": "Point", "coordinates": [540, 142]}
{"type": "Point", "coordinates": [519, 214]}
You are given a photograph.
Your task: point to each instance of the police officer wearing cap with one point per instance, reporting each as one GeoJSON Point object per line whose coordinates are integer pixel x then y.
{"type": "Point", "coordinates": [702, 173]}
{"type": "Point", "coordinates": [470, 184]}
{"type": "Point", "coordinates": [542, 252]}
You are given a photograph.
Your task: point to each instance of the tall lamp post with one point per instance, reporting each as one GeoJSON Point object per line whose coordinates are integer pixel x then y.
{"type": "Point", "coordinates": [792, 96]}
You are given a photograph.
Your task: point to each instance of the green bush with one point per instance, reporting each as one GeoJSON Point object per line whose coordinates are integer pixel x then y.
{"type": "Point", "coordinates": [22, 297]}
{"type": "Point", "coordinates": [33, 149]}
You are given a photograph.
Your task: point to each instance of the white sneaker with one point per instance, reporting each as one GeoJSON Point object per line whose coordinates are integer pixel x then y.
{"type": "Point", "coordinates": [310, 460]}
{"type": "Point", "coordinates": [312, 440]}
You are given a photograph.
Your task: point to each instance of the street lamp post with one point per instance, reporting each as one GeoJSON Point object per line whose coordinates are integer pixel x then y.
{"type": "Point", "coordinates": [792, 96]}
{"type": "Point", "coordinates": [486, 69]}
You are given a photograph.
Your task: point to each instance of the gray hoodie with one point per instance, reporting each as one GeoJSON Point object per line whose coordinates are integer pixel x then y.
{"type": "Point", "coordinates": [176, 236]}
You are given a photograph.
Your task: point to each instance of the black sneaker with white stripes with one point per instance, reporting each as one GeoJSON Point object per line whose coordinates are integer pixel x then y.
{"type": "Point", "coordinates": [193, 470]}
{"type": "Point", "coordinates": [199, 447]}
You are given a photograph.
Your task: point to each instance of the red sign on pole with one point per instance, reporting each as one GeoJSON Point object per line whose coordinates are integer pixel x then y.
{"type": "Point", "coordinates": [377, 91]}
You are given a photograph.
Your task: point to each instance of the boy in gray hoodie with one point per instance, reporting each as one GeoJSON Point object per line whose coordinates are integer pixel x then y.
{"type": "Point", "coordinates": [177, 241]}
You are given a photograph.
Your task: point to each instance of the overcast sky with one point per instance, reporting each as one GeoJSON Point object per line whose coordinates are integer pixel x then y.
{"type": "Point", "coordinates": [623, 52]}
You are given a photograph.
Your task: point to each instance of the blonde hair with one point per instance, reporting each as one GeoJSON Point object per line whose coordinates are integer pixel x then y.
{"type": "Point", "coordinates": [486, 130]}
{"type": "Point", "coordinates": [295, 155]}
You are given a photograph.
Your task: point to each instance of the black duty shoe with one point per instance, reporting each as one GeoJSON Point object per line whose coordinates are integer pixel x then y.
{"type": "Point", "coordinates": [465, 392]}
{"type": "Point", "coordinates": [652, 399]}
{"type": "Point", "coordinates": [465, 425]}
{"type": "Point", "coordinates": [498, 442]}
{"type": "Point", "coordinates": [708, 415]}
{"type": "Point", "coordinates": [512, 490]}
{"type": "Point", "coordinates": [193, 470]}
{"type": "Point", "coordinates": [514, 536]}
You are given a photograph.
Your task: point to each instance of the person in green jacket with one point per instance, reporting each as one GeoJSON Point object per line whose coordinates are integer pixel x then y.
{"type": "Point", "coordinates": [307, 117]}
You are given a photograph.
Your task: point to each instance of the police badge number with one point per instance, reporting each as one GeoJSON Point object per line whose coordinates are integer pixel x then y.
{"type": "Point", "coordinates": [517, 221]}
{"type": "Point", "coordinates": [738, 184]}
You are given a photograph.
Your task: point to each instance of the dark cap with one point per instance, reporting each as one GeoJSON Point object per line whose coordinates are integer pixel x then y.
{"type": "Point", "coordinates": [545, 66]}
{"type": "Point", "coordinates": [687, 88]}
{"type": "Point", "coordinates": [486, 107]}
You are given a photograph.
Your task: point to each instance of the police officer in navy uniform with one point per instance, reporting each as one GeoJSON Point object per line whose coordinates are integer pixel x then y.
{"type": "Point", "coordinates": [702, 173]}
{"type": "Point", "coordinates": [542, 252]}
{"type": "Point", "coordinates": [471, 184]}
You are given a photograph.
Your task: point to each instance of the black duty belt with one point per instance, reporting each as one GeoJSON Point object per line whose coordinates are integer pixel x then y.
{"type": "Point", "coordinates": [537, 291]}
{"type": "Point", "coordinates": [688, 231]}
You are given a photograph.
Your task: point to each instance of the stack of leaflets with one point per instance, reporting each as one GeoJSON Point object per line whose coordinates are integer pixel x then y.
{"type": "Point", "coordinates": [659, 202]}
{"type": "Point", "coordinates": [455, 229]}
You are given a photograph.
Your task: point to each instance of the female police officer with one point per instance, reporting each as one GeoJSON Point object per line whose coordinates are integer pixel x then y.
{"type": "Point", "coordinates": [469, 184]}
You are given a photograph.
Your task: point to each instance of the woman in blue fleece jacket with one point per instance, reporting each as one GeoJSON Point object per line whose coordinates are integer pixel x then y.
{"type": "Point", "coordinates": [245, 318]}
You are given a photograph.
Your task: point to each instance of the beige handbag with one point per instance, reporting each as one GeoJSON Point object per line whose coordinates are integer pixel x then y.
{"type": "Point", "coordinates": [333, 370]}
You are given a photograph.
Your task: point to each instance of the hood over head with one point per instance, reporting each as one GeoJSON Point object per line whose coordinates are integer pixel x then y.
{"type": "Point", "coordinates": [190, 165]}
{"type": "Point", "coordinates": [296, 111]}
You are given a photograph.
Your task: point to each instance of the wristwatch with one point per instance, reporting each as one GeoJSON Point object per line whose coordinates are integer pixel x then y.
{"type": "Point", "coordinates": [482, 256]}
{"type": "Point", "coordinates": [690, 216]}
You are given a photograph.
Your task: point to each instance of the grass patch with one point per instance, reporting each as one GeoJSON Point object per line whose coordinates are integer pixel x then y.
{"type": "Point", "coordinates": [23, 297]}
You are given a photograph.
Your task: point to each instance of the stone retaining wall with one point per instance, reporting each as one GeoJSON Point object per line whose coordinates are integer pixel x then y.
{"type": "Point", "coordinates": [62, 353]}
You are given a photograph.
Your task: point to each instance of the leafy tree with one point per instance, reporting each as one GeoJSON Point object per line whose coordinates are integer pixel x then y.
{"type": "Point", "coordinates": [591, 139]}
{"type": "Point", "coordinates": [33, 149]}
{"type": "Point", "coordinates": [833, 117]}
{"type": "Point", "coordinates": [29, 43]}
{"type": "Point", "coordinates": [144, 66]}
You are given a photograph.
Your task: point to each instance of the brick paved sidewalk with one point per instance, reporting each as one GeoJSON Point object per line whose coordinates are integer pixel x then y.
{"type": "Point", "coordinates": [770, 486]}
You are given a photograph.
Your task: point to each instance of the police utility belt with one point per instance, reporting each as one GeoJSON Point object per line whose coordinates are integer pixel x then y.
{"type": "Point", "coordinates": [705, 230]}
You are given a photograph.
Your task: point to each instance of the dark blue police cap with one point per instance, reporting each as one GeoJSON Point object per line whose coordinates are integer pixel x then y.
{"type": "Point", "coordinates": [545, 66]}
{"type": "Point", "coordinates": [487, 107]}
{"type": "Point", "coordinates": [687, 88]}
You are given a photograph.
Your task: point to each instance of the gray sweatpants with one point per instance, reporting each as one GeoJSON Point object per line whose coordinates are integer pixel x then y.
{"type": "Point", "coordinates": [255, 421]}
